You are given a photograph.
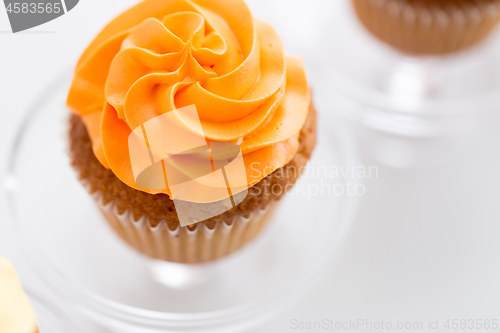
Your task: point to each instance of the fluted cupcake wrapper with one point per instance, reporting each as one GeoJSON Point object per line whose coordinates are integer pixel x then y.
{"type": "Point", "coordinates": [420, 28]}
{"type": "Point", "coordinates": [190, 245]}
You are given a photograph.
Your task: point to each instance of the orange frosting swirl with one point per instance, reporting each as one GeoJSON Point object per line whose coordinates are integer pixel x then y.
{"type": "Point", "coordinates": [162, 55]}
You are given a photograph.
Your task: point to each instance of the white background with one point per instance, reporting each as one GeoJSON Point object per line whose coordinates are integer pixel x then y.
{"type": "Point", "coordinates": [425, 244]}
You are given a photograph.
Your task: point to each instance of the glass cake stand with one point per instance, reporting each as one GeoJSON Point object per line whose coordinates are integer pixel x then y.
{"type": "Point", "coordinates": [86, 266]}
{"type": "Point", "coordinates": [407, 111]}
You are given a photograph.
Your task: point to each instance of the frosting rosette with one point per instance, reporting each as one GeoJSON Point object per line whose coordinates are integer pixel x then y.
{"type": "Point", "coordinates": [163, 55]}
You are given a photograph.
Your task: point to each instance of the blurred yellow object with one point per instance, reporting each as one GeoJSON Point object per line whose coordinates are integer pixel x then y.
{"type": "Point", "coordinates": [16, 313]}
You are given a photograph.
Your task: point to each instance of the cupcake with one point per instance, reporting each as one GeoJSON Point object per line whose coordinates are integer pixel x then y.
{"type": "Point", "coordinates": [189, 123]}
{"type": "Point", "coordinates": [429, 27]}
{"type": "Point", "coordinates": [16, 313]}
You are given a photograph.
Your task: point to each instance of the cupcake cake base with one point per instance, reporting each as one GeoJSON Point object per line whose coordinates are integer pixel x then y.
{"type": "Point", "coordinates": [429, 27]}
{"type": "Point", "coordinates": [149, 223]}
{"type": "Point", "coordinates": [188, 245]}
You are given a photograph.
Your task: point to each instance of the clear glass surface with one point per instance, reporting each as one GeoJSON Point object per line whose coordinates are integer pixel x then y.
{"type": "Point", "coordinates": [85, 265]}
{"type": "Point", "coordinates": [50, 319]}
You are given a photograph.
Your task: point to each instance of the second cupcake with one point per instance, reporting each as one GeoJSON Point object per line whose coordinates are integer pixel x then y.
{"type": "Point", "coordinates": [429, 27]}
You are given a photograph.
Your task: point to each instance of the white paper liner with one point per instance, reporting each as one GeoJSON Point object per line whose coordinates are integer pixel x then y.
{"type": "Point", "coordinates": [183, 245]}
{"type": "Point", "coordinates": [418, 29]}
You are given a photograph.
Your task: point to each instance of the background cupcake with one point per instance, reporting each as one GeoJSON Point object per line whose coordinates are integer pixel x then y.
{"type": "Point", "coordinates": [429, 27]}
{"type": "Point", "coordinates": [160, 56]}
